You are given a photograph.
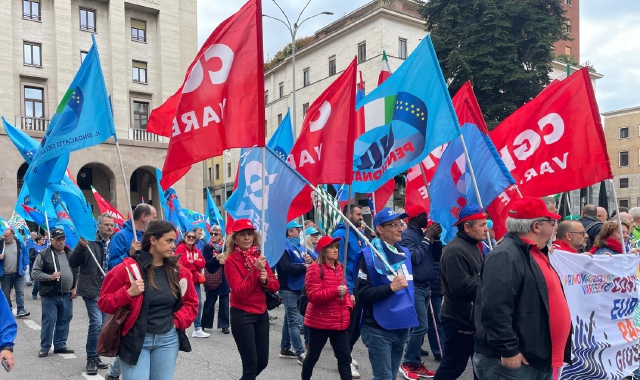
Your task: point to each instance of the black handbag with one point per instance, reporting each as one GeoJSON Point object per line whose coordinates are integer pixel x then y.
{"type": "Point", "coordinates": [273, 300]}
{"type": "Point", "coordinates": [183, 341]}
{"type": "Point", "coordinates": [303, 300]}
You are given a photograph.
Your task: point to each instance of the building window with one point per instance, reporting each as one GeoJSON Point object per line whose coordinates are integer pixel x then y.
{"type": "Point", "coordinates": [140, 115]}
{"type": "Point", "coordinates": [32, 54]}
{"type": "Point", "coordinates": [623, 158]}
{"type": "Point", "coordinates": [209, 170]}
{"type": "Point", "coordinates": [624, 132]}
{"type": "Point", "coordinates": [362, 52]}
{"type": "Point", "coordinates": [138, 30]}
{"type": "Point", "coordinates": [332, 65]}
{"type": "Point", "coordinates": [279, 118]}
{"type": "Point", "coordinates": [567, 27]}
{"type": "Point", "coordinates": [305, 108]}
{"type": "Point", "coordinates": [33, 102]}
{"type": "Point", "coordinates": [217, 171]}
{"type": "Point", "coordinates": [228, 173]}
{"type": "Point", "coordinates": [31, 10]}
{"type": "Point", "coordinates": [265, 126]}
{"type": "Point", "coordinates": [87, 20]}
{"type": "Point", "coordinates": [139, 69]}
{"type": "Point", "coordinates": [402, 48]}
{"type": "Point", "coordinates": [567, 50]}
{"type": "Point", "coordinates": [623, 203]}
{"type": "Point", "coordinates": [306, 79]}
{"type": "Point", "coordinates": [624, 183]}
{"type": "Point", "coordinates": [266, 97]}
{"type": "Point", "coordinates": [83, 55]}
{"type": "Point", "coordinates": [280, 89]}
{"type": "Point", "coordinates": [568, 2]}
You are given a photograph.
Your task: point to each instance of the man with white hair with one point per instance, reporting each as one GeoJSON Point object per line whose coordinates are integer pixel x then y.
{"type": "Point", "coordinates": [515, 330]}
{"type": "Point", "coordinates": [635, 215]}
{"type": "Point", "coordinates": [602, 214]}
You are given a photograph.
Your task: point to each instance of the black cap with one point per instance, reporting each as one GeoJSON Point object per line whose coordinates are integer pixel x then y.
{"type": "Point", "coordinates": [57, 233]}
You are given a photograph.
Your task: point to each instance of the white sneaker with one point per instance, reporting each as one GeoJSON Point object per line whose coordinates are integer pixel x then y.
{"type": "Point", "coordinates": [301, 358]}
{"type": "Point", "coordinates": [354, 363]}
{"type": "Point", "coordinates": [199, 334]}
{"type": "Point", "coordinates": [354, 372]}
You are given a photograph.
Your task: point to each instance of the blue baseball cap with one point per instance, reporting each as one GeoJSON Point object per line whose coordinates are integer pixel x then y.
{"type": "Point", "coordinates": [293, 224]}
{"type": "Point", "coordinates": [385, 215]}
{"type": "Point", "coordinates": [311, 231]}
{"type": "Point", "coordinates": [470, 212]}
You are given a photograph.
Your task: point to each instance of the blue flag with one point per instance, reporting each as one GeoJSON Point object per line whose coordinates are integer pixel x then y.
{"type": "Point", "coordinates": [453, 187]}
{"type": "Point", "coordinates": [282, 185]}
{"type": "Point", "coordinates": [163, 197]}
{"type": "Point", "coordinates": [77, 207]}
{"type": "Point", "coordinates": [213, 214]}
{"type": "Point", "coordinates": [418, 120]}
{"type": "Point", "coordinates": [25, 144]}
{"type": "Point", "coordinates": [82, 119]}
{"type": "Point", "coordinates": [282, 140]}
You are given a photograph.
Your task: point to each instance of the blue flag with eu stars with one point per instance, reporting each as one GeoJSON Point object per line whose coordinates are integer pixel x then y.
{"type": "Point", "coordinates": [422, 118]}
{"type": "Point", "coordinates": [281, 186]}
{"type": "Point", "coordinates": [83, 119]}
{"type": "Point", "coordinates": [281, 142]}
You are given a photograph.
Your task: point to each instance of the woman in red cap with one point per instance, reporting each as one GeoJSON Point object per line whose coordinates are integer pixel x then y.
{"type": "Point", "coordinates": [329, 309]}
{"type": "Point", "coordinates": [249, 276]}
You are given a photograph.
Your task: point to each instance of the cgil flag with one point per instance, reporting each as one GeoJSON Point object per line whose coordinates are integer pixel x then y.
{"type": "Point", "coordinates": [106, 208]}
{"type": "Point", "coordinates": [455, 186]}
{"type": "Point", "coordinates": [421, 119]}
{"type": "Point", "coordinates": [281, 185]}
{"type": "Point", "coordinates": [83, 119]}
{"type": "Point", "coordinates": [220, 105]}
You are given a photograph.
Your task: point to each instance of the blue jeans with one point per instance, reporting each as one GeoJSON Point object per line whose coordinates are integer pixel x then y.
{"type": "Point", "coordinates": [36, 286]}
{"type": "Point", "coordinates": [488, 368]}
{"type": "Point", "coordinates": [291, 324]}
{"type": "Point", "coordinates": [414, 346]}
{"type": "Point", "coordinates": [197, 323]}
{"type": "Point", "coordinates": [15, 281]}
{"type": "Point", "coordinates": [57, 312]}
{"type": "Point", "coordinates": [114, 369]}
{"type": "Point", "coordinates": [385, 350]}
{"type": "Point", "coordinates": [95, 325]}
{"type": "Point", "coordinates": [157, 359]}
{"type": "Point", "coordinates": [436, 303]}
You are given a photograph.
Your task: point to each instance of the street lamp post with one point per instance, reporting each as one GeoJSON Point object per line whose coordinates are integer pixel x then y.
{"type": "Point", "coordinates": [293, 29]}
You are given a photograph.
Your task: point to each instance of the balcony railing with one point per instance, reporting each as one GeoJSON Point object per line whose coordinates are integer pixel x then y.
{"type": "Point", "coordinates": [32, 123]}
{"type": "Point", "coordinates": [142, 135]}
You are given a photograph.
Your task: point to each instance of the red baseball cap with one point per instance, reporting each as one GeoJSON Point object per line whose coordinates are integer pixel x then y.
{"type": "Point", "coordinates": [531, 208]}
{"type": "Point", "coordinates": [242, 224]}
{"type": "Point", "coordinates": [324, 242]}
{"type": "Point", "coordinates": [415, 210]}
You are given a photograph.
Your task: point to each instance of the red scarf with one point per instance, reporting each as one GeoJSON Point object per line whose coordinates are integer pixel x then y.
{"type": "Point", "coordinates": [250, 256]}
{"type": "Point", "coordinates": [563, 246]}
{"type": "Point", "coordinates": [613, 244]}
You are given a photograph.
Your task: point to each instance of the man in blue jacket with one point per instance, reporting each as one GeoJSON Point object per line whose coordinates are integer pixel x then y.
{"type": "Point", "coordinates": [14, 260]}
{"type": "Point", "coordinates": [122, 244]}
{"type": "Point", "coordinates": [8, 332]}
{"type": "Point", "coordinates": [426, 248]}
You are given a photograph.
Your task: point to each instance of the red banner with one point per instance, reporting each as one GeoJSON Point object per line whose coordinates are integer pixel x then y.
{"type": "Point", "coordinates": [220, 105]}
{"type": "Point", "coordinates": [106, 207]}
{"type": "Point", "coordinates": [554, 143]}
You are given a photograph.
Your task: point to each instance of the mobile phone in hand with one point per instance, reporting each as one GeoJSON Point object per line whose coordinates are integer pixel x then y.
{"type": "Point", "coordinates": [5, 364]}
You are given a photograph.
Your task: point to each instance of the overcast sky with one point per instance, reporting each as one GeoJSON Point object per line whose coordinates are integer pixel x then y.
{"type": "Point", "coordinates": [609, 37]}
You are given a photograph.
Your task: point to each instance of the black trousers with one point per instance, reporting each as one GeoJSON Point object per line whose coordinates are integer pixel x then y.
{"type": "Point", "coordinates": [458, 349]}
{"type": "Point", "coordinates": [209, 308]}
{"type": "Point", "coordinates": [354, 326]}
{"type": "Point", "coordinates": [339, 340]}
{"type": "Point", "coordinates": [251, 333]}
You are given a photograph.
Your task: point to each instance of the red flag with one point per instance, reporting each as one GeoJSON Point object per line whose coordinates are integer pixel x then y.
{"type": "Point", "coordinates": [323, 152]}
{"type": "Point", "coordinates": [106, 207]}
{"type": "Point", "coordinates": [468, 109]}
{"type": "Point", "coordinates": [221, 102]}
{"type": "Point", "coordinates": [538, 142]}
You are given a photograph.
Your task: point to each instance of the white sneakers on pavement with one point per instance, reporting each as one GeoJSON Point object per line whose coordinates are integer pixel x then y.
{"type": "Point", "coordinates": [199, 334]}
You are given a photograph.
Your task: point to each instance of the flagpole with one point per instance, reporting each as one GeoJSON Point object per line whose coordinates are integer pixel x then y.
{"type": "Point", "coordinates": [426, 184]}
{"type": "Point", "coordinates": [46, 219]}
{"type": "Point", "coordinates": [346, 239]}
{"type": "Point", "coordinates": [126, 189]}
{"type": "Point", "coordinates": [262, 198]}
{"type": "Point", "coordinates": [475, 183]}
{"type": "Point", "coordinates": [615, 199]}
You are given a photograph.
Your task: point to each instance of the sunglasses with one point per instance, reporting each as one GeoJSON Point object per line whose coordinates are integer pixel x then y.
{"type": "Point", "coordinates": [215, 234]}
{"type": "Point", "coordinates": [190, 237]}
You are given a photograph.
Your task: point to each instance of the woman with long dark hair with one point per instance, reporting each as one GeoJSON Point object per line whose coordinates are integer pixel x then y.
{"type": "Point", "coordinates": [162, 300]}
{"type": "Point", "coordinates": [249, 276]}
{"type": "Point", "coordinates": [212, 253]}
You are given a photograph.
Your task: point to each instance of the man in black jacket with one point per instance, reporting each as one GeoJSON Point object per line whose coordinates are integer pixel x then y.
{"type": "Point", "coordinates": [516, 336]}
{"type": "Point", "coordinates": [425, 248]}
{"type": "Point", "coordinates": [92, 272]}
{"type": "Point", "coordinates": [460, 270]}
{"type": "Point", "coordinates": [591, 224]}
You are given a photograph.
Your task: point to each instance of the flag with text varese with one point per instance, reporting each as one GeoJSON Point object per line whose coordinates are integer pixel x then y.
{"type": "Point", "coordinates": [221, 102]}
{"type": "Point", "coordinates": [83, 119]}
{"type": "Point", "coordinates": [454, 183]}
{"type": "Point", "coordinates": [422, 119]}
{"type": "Point", "coordinates": [538, 143]}
{"type": "Point", "coordinates": [281, 185]}
{"type": "Point", "coordinates": [106, 207]}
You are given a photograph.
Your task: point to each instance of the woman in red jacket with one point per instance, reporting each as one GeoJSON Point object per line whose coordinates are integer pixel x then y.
{"type": "Point", "coordinates": [249, 276]}
{"type": "Point", "coordinates": [161, 299]}
{"type": "Point", "coordinates": [192, 259]}
{"type": "Point", "coordinates": [327, 315]}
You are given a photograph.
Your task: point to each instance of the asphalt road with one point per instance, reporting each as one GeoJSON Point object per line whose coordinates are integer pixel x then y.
{"type": "Point", "coordinates": [215, 357]}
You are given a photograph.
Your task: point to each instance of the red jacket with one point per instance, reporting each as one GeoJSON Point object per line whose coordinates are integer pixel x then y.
{"type": "Point", "coordinates": [113, 295]}
{"type": "Point", "coordinates": [191, 259]}
{"type": "Point", "coordinates": [247, 292]}
{"type": "Point", "coordinates": [326, 310]}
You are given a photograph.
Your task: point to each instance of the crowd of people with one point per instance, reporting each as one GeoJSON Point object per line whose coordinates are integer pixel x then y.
{"type": "Point", "coordinates": [474, 298]}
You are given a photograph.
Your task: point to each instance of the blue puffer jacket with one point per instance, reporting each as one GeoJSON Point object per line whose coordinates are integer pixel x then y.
{"type": "Point", "coordinates": [8, 326]}
{"type": "Point", "coordinates": [23, 257]}
{"type": "Point", "coordinates": [355, 245]}
{"type": "Point", "coordinates": [120, 244]}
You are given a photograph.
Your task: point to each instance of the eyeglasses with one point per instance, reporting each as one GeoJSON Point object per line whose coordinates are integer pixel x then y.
{"type": "Point", "coordinates": [215, 233]}
{"type": "Point", "coordinates": [580, 232]}
{"type": "Point", "coordinates": [190, 237]}
{"type": "Point", "coordinates": [550, 221]}
{"type": "Point", "coordinates": [395, 225]}
{"type": "Point", "coordinates": [315, 235]}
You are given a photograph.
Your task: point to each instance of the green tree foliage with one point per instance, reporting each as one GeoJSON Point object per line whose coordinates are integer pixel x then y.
{"type": "Point", "coordinates": [283, 54]}
{"type": "Point", "coordinates": [504, 47]}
